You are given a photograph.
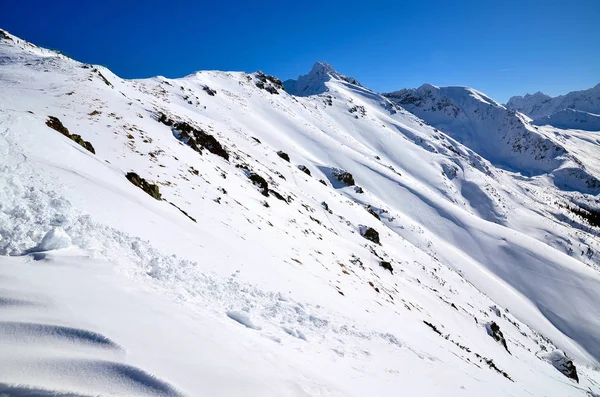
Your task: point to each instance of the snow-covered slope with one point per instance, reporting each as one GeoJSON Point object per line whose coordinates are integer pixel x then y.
{"type": "Point", "coordinates": [502, 136]}
{"type": "Point", "coordinates": [540, 105]}
{"type": "Point", "coordinates": [215, 235]}
{"type": "Point", "coordinates": [570, 119]}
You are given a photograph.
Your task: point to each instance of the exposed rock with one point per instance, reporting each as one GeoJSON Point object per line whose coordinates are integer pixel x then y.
{"type": "Point", "coordinates": [195, 138]}
{"type": "Point", "coordinates": [56, 125]}
{"type": "Point", "coordinates": [369, 233]}
{"type": "Point", "coordinates": [359, 110]}
{"type": "Point", "coordinates": [162, 118]}
{"type": "Point", "coordinates": [387, 266]}
{"type": "Point", "coordinates": [304, 169]}
{"type": "Point", "coordinates": [260, 182]}
{"type": "Point", "coordinates": [284, 155]}
{"type": "Point", "coordinates": [209, 90]}
{"type": "Point", "coordinates": [183, 212]}
{"type": "Point", "coordinates": [433, 327]}
{"type": "Point", "coordinates": [4, 36]}
{"type": "Point", "coordinates": [493, 330]}
{"type": "Point", "coordinates": [275, 81]}
{"type": "Point", "coordinates": [323, 182]}
{"type": "Point", "coordinates": [108, 83]}
{"type": "Point", "coordinates": [146, 186]}
{"type": "Point", "coordinates": [272, 90]}
{"type": "Point", "coordinates": [277, 195]}
{"type": "Point", "coordinates": [359, 190]}
{"type": "Point", "coordinates": [372, 212]}
{"type": "Point", "coordinates": [269, 83]}
{"type": "Point", "coordinates": [493, 366]}
{"type": "Point", "coordinates": [563, 363]}
{"type": "Point", "coordinates": [344, 177]}
{"type": "Point", "coordinates": [590, 215]}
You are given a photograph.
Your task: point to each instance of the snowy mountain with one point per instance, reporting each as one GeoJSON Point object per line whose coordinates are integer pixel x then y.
{"type": "Point", "coordinates": [539, 105]}
{"type": "Point", "coordinates": [217, 235]}
{"type": "Point", "coordinates": [534, 105]}
{"type": "Point", "coordinates": [571, 119]}
{"type": "Point", "coordinates": [502, 136]}
{"type": "Point", "coordinates": [313, 83]}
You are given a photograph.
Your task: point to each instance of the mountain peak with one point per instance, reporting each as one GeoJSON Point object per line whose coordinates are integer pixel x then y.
{"type": "Point", "coordinates": [538, 94]}
{"type": "Point", "coordinates": [313, 83]}
{"type": "Point", "coordinates": [322, 67]}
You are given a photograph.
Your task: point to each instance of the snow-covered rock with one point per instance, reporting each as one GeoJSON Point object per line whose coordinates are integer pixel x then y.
{"type": "Point", "coordinates": [563, 363]}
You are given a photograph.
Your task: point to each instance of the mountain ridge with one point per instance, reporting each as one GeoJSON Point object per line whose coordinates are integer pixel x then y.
{"type": "Point", "coordinates": [499, 134]}
{"type": "Point", "coordinates": [539, 105]}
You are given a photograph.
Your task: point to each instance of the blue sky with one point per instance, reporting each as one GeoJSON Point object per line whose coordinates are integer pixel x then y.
{"type": "Point", "coordinates": [502, 48]}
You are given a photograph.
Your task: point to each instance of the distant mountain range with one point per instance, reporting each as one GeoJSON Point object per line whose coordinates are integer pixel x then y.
{"type": "Point", "coordinates": [575, 110]}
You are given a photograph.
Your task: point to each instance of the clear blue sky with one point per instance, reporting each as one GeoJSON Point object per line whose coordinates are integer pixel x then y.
{"type": "Point", "coordinates": [500, 47]}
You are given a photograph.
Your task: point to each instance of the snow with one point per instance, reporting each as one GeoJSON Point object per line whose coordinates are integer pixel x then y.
{"type": "Point", "coordinates": [502, 136]}
{"type": "Point", "coordinates": [315, 81]}
{"type": "Point", "coordinates": [539, 105]}
{"type": "Point", "coordinates": [571, 119]}
{"type": "Point", "coordinates": [55, 239]}
{"type": "Point", "coordinates": [242, 319]}
{"type": "Point", "coordinates": [267, 297]}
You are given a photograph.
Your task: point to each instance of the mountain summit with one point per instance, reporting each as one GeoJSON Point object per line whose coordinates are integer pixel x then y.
{"type": "Point", "coordinates": [315, 81]}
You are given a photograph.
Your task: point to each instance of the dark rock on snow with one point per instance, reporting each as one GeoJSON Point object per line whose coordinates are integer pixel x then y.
{"type": "Point", "coordinates": [143, 184]}
{"type": "Point", "coordinates": [304, 169]}
{"type": "Point", "coordinates": [260, 182]}
{"type": "Point", "coordinates": [57, 125]}
{"type": "Point", "coordinates": [370, 234]}
{"type": "Point", "coordinates": [493, 330]}
{"type": "Point", "coordinates": [563, 363]}
{"type": "Point", "coordinates": [284, 155]}
{"type": "Point", "coordinates": [344, 177]}
{"type": "Point", "coordinates": [387, 266]}
{"type": "Point", "coordinates": [196, 138]}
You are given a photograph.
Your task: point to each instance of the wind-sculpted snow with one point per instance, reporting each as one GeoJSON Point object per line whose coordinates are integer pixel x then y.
{"type": "Point", "coordinates": [44, 333]}
{"type": "Point", "coordinates": [341, 247]}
